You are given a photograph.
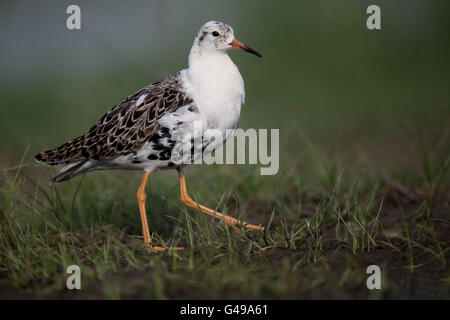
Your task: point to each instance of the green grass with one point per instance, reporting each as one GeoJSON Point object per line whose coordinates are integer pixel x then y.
{"type": "Point", "coordinates": [324, 225]}
{"type": "Point", "coordinates": [364, 122]}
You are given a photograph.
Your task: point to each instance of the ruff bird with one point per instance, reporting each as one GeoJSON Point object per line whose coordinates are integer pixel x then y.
{"type": "Point", "coordinates": [143, 131]}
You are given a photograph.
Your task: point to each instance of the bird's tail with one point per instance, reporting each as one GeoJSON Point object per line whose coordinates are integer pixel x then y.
{"type": "Point", "coordinates": [64, 154]}
{"type": "Point", "coordinates": [69, 171]}
{"type": "Point", "coordinates": [69, 154]}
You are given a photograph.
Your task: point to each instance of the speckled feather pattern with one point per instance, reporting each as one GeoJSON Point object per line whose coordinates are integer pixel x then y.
{"type": "Point", "coordinates": [126, 128]}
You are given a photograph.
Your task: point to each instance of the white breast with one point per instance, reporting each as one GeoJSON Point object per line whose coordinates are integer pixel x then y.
{"type": "Point", "coordinates": [217, 87]}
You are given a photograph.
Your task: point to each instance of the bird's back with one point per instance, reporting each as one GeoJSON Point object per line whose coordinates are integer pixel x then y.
{"type": "Point", "coordinates": [122, 131]}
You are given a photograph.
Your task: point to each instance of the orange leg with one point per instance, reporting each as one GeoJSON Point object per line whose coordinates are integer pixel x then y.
{"type": "Point", "coordinates": [186, 199]}
{"type": "Point", "coordinates": [141, 197]}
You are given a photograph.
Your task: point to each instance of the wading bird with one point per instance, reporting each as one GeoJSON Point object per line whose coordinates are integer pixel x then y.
{"type": "Point", "coordinates": [142, 131]}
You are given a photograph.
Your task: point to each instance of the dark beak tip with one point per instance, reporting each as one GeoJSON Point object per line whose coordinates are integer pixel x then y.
{"type": "Point", "coordinates": [244, 47]}
{"type": "Point", "coordinates": [256, 53]}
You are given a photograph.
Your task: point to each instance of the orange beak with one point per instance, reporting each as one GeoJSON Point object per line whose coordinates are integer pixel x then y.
{"type": "Point", "coordinates": [240, 46]}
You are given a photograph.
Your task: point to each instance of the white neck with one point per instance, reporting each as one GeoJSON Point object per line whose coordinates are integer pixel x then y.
{"type": "Point", "coordinates": [216, 85]}
{"type": "Point", "coordinates": [198, 53]}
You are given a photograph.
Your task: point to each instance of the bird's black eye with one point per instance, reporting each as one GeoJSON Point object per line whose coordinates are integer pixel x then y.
{"type": "Point", "coordinates": [215, 34]}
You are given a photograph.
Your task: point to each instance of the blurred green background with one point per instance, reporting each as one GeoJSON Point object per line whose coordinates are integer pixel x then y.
{"type": "Point", "coordinates": [323, 73]}
{"type": "Point", "coordinates": [368, 106]}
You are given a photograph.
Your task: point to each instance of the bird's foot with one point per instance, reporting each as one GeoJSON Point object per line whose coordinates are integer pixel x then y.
{"type": "Point", "coordinates": [236, 224]}
{"type": "Point", "coordinates": [253, 227]}
{"type": "Point", "coordinates": [160, 249]}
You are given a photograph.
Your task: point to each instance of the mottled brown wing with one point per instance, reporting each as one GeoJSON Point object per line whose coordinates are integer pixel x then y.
{"type": "Point", "coordinates": [125, 128]}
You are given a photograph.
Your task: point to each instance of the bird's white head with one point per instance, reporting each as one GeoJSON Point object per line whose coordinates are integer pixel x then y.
{"type": "Point", "coordinates": [216, 36]}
